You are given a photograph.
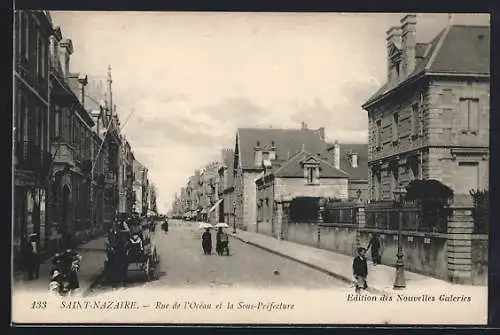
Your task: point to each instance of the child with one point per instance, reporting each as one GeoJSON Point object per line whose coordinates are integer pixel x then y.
{"type": "Point", "coordinates": [360, 270]}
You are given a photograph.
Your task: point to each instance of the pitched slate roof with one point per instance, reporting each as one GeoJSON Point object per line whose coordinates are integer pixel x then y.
{"type": "Point", "coordinates": [293, 167]}
{"type": "Point", "coordinates": [346, 149]}
{"type": "Point", "coordinates": [286, 141]}
{"type": "Point", "coordinates": [456, 49]}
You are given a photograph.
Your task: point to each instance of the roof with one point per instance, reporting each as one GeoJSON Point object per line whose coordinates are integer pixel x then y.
{"type": "Point", "coordinates": [293, 167]}
{"type": "Point", "coordinates": [286, 141]}
{"type": "Point", "coordinates": [456, 49]}
{"type": "Point", "coordinates": [357, 173]}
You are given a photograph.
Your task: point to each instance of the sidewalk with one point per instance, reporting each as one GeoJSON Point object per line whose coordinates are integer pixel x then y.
{"type": "Point", "coordinates": [93, 256]}
{"type": "Point", "coordinates": [380, 277]}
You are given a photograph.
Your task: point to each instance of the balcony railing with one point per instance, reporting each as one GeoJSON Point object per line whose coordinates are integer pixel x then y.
{"type": "Point", "coordinates": [28, 156]}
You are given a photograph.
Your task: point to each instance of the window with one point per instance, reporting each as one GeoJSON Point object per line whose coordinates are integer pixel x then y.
{"type": "Point", "coordinates": [414, 168]}
{"type": "Point", "coordinates": [57, 122]}
{"type": "Point", "coordinates": [414, 119]}
{"type": "Point", "coordinates": [38, 56]}
{"type": "Point", "coordinates": [467, 177]}
{"type": "Point", "coordinates": [469, 111]}
{"type": "Point", "coordinates": [378, 138]}
{"type": "Point", "coordinates": [43, 58]}
{"type": "Point", "coordinates": [26, 36]}
{"type": "Point", "coordinates": [310, 175]}
{"type": "Point", "coordinates": [377, 182]}
{"type": "Point", "coordinates": [395, 175]}
{"type": "Point", "coordinates": [395, 127]}
{"type": "Point", "coordinates": [354, 160]}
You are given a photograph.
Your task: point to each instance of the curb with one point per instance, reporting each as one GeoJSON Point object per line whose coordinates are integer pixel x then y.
{"type": "Point", "coordinates": [311, 265]}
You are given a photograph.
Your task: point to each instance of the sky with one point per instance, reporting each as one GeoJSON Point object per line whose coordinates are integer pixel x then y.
{"type": "Point", "coordinates": [184, 82]}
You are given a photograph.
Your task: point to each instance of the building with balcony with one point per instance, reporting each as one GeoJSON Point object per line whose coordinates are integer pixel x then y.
{"type": "Point", "coordinates": [140, 188]}
{"type": "Point", "coordinates": [31, 143]}
{"type": "Point", "coordinates": [71, 137]}
{"type": "Point", "coordinates": [430, 120]}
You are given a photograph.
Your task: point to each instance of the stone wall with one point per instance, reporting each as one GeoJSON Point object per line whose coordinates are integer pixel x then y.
{"type": "Point", "coordinates": [479, 260]}
{"type": "Point", "coordinates": [456, 256]}
{"type": "Point", "coordinates": [249, 200]}
{"type": "Point", "coordinates": [297, 187]}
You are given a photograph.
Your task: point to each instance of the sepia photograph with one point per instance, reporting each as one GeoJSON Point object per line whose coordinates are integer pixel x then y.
{"type": "Point", "coordinates": [250, 168]}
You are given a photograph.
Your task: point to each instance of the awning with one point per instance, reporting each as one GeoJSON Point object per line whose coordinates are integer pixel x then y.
{"type": "Point", "coordinates": [215, 206]}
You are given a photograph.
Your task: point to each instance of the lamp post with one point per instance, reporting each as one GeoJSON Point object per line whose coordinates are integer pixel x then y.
{"type": "Point", "coordinates": [400, 282]}
{"type": "Point", "coordinates": [234, 217]}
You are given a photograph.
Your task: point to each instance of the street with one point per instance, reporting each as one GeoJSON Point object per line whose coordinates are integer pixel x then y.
{"type": "Point", "coordinates": [183, 264]}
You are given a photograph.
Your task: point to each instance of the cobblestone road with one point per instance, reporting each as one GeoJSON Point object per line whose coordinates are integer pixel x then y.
{"type": "Point", "coordinates": [183, 264]}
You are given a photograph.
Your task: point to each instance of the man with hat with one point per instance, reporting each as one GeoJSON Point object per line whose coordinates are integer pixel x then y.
{"type": "Point", "coordinates": [32, 256]}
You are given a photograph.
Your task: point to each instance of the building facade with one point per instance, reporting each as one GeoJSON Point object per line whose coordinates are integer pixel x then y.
{"type": "Point", "coordinates": [71, 137]}
{"type": "Point", "coordinates": [430, 120]}
{"type": "Point", "coordinates": [353, 160]}
{"type": "Point", "coordinates": [226, 188]}
{"type": "Point", "coordinates": [31, 141]}
{"type": "Point", "coordinates": [255, 147]}
{"type": "Point", "coordinates": [304, 174]}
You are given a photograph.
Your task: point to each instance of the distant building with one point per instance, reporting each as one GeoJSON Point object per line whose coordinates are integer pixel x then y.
{"type": "Point", "coordinates": [304, 174]}
{"type": "Point", "coordinates": [226, 187]}
{"type": "Point", "coordinates": [254, 147]}
{"type": "Point", "coordinates": [430, 120]}
{"type": "Point", "coordinates": [140, 188]}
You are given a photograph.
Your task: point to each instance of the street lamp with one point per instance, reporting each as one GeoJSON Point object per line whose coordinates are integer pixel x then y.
{"type": "Point", "coordinates": [399, 282]}
{"type": "Point", "coordinates": [234, 217]}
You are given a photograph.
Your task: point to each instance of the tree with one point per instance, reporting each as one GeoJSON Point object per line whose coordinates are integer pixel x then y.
{"type": "Point", "coordinates": [433, 198]}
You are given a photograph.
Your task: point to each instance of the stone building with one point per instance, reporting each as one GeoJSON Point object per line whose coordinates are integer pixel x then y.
{"type": "Point", "coordinates": [71, 135]}
{"type": "Point", "coordinates": [226, 187]}
{"type": "Point", "coordinates": [353, 160]}
{"type": "Point", "coordinates": [304, 174]}
{"type": "Point", "coordinates": [255, 145]}
{"type": "Point", "coordinates": [140, 187]}
{"type": "Point", "coordinates": [430, 120]}
{"type": "Point", "coordinates": [31, 160]}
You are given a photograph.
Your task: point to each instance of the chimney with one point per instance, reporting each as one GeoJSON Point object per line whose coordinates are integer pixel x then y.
{"type": "Point", "coordinates": [321, 132]}
{"type": "Point", "coordinates": [408, 41]}
{"type": "Point", "coordinates": [83, 80]}
{"type": "Point", "coordinates": [393, 37]}
{"type": "Point", "coordinates": [109, 91]}
{"type": "Point", "coordinates": [336, 155]}
{"type": "Point", "coordinates": [65, 50]}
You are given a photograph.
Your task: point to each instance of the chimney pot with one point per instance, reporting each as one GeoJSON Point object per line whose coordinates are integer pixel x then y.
{"type": "Point", "coordinates": [336, 154]}
{"type": "Point", "coordinates": [321, 131]}
{"type": "Point", "coordinates": [393, 38]}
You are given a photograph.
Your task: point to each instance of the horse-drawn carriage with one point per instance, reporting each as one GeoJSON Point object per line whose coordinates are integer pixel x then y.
{"type": "Point", "coordinates": [131, 250]}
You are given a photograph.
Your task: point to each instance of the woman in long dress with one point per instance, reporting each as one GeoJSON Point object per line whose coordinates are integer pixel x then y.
{"type": "Point", "coordinates": [206, 242]}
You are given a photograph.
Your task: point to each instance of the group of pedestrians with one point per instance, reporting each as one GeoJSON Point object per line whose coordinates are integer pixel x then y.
{"type": "Point", "coordinates": [360, 265]}
{"type": "Point", "coordinates": [221, 242]}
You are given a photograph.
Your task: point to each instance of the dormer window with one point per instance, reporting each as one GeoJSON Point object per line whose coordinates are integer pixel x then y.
{"type": "Point", "coordinates": [354, 160]}
{"type": "Point", "coordinates": [311, 171]}
{"type": "Point", "coordinates": [272, 155]}
{"type": "Point", "coordinates": [310, 175]}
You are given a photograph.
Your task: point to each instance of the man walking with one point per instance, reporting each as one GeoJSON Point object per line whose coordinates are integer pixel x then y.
{"type": "Point", "coordinates": [360, 270]}
{"type": "Point", "coordinates": [375, 246]}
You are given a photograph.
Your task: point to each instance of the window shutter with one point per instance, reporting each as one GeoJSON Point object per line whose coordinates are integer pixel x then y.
{"type": "Point", "coordinates": [464, 114]}
{"type": "Point", "coordinates": [474, 115]}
